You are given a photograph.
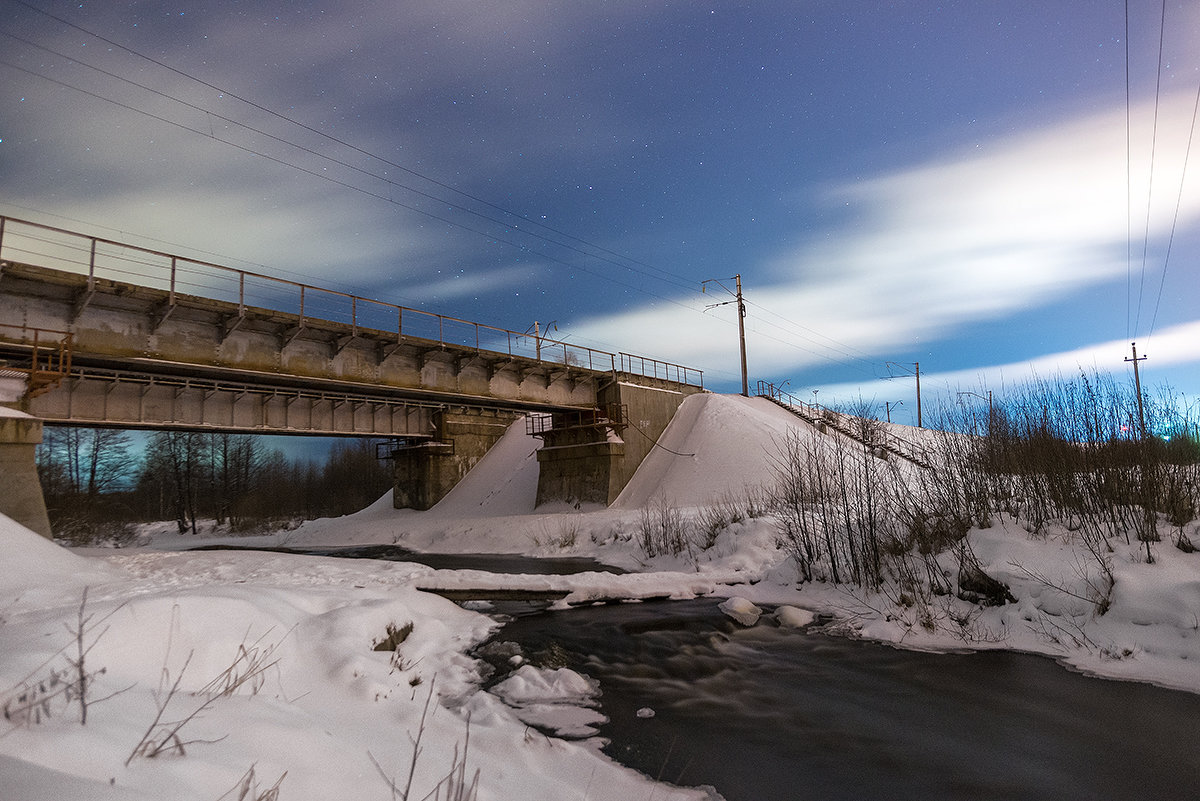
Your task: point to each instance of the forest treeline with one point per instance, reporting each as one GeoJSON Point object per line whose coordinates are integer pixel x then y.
{"type": "Point", "coordinates": [98, 482]}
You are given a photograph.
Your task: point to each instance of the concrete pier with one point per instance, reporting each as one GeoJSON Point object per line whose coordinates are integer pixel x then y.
{"type": "Point", "coordinates": [21, 498]}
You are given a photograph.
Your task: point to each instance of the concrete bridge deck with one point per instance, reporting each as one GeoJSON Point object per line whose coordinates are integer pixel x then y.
{"type": "Point", "coordinates": [246, 352]}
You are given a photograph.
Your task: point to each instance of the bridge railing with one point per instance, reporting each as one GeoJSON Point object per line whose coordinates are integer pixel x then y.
{"type": "Point", "coordinates": [96, 257]}
{"type": "Point", "coordinates": [42, 354]}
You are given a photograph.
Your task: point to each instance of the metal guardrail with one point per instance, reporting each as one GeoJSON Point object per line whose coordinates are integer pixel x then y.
{"type": "Point", "coordinates": [817, 415]}
{"type": "Point", "coordinates": [614, 415]}
{"type": "Point", "coordinates": [42, 354]}
{"type": "Point", "coordinates": [34, 243]}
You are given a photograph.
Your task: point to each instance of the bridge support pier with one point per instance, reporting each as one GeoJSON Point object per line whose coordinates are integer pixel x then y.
{"type": "Point", "coordinates": [424, 472]}
{"type": "Point", "coordinates": [21, 498]}
{"type": "Point", "coordinates": [579, 466]}
{"type": "Point", "coordinates": [592, 463]}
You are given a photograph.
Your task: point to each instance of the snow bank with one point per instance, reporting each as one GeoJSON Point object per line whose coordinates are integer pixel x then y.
{"type": "Point", "coordinates": [329, 708]}
{"type": "Point", "coordinates": [558, 700]}
{"type": "Point", "coordinates": [40, 571]}
{"type": "Point", "coordinates": [740, 610]}
{"type": "Point", "coordinates": [727, 443]}
{"type": "Point", "coordinates": [318, 701]}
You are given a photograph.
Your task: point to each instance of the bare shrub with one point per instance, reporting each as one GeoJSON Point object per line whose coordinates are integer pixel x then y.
{"type": "Point", "coordinates": [164, 736]}
{"type": "Point", "coordinates": [663, 530]}
{"type": "Point", "coordinates": [36, 698]}
{"type": "Point", "coordinates": [564, 535]}
{"type": "Point", "coordinates": [248, 669]}
{"type": "Point", "coordinates": [247, 789]}
{"type": "Point", "coordinates": [838, 507]}
{"type": "Point", "coordinates": [86, 530]}
{"type": "Point", "coordinates": [711, 520]}
{"type": "Point", "coordinates": [455, 783]}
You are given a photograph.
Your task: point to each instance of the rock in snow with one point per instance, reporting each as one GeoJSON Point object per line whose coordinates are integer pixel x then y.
{"type": "Point", "coordinates": [741, 610]}
{"type": "Point", "coordinates": [793, 617]}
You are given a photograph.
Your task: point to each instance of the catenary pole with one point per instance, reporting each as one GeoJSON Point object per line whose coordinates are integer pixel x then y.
{"type": "Point", "coordinates": [1137, 385]}
{"type": "Point", "coordinates": [917, 365]}
{"type": "Point", "coordinates": [741, 306]}
{"type": "Point", "coordinates": [742, 335]}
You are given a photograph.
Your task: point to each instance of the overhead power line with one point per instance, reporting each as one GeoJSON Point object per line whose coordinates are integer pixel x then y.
{"type": "Point", "coordinates": [597, 252]}
{"type": "Point", "coordinates": [664, 275]}
{"type": "Point", "coordinates": [1162, 26]}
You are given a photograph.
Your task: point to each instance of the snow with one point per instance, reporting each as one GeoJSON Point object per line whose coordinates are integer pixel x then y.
{"type": "Point", "coordinates": [793, 617]}
{"type": "Point", "coordinates": [558, 699]}
{"type": "Point", "coordinates": [338, 716]}
{"type": "Point", "coordinates": [740, 610]}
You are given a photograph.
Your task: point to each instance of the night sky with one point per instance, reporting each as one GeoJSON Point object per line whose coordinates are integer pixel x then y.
{"type": "Point", "coordinates": [975, 186]}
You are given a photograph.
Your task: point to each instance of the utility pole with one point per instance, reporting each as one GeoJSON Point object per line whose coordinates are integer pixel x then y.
{"type": "Point", "coordinates": [889, 405]}
{"type": "Point", "coordinates": [742, 337]}
{"type": "Point", "coordinates": [741, 305]}
{"type": "Point", "coordinates": [917, 372]}
{"type": "Point", "coordinates": [917, 365]}
{"type": "Point", "coordinates": [1137, 384]}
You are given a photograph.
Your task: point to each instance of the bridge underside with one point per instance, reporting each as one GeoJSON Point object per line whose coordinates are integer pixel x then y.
{"type": "Point", "coordinates": [129, 399]}
{"type": "Point", "coordinates": [140, 357]}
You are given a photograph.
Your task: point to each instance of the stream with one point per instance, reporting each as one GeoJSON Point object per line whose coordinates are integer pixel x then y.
{"type": "Point", "coordinates": [775, 714]}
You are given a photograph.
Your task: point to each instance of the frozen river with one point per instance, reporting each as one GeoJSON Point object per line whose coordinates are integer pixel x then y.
{"type": "Point", "coordinates": [770, 714]}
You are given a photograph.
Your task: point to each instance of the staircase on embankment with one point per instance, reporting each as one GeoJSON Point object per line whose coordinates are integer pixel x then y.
{"type": "Point", "coordinates": [878, 442]}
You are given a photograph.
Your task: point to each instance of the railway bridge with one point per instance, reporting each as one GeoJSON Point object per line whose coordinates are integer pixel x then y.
{"type": "Point", "coordinates": [95, 332]}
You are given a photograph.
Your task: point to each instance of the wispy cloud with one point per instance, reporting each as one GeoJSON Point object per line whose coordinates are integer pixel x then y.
{"type": "Point", "coordinates": [1005, 228]}
{"type": "Point", "coordinates": [1172, 347]}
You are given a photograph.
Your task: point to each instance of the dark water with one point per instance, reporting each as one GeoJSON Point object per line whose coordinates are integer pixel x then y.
{"type": "Point", "coordinates": [493, 563]}
{"type": "Point", "coordinates": [770, 714]}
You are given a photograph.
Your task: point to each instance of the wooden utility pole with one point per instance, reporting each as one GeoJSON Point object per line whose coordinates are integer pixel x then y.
{"type": "Point", "coordinates": [1137, 385]}
{"type": "Point", "coordinates": [917, 365]}
{"type": "Point", "coordinates": [742, 335]}
{"type": "Point", "coordinates": [741, 306]}
{"type": "Point", "coordinates": [917, 372]}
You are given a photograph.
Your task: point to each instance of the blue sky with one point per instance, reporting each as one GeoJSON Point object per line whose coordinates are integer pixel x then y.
{"type": "Point", "coordinates": [974, 186]}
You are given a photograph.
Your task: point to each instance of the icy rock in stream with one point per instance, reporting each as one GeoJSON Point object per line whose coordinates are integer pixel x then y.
{"type": "Point", "coordinates": [740, 610]}
{"type": "Point", "coordinates": [560, 701]}
{"type": "Point", "coordinates": [793, 617]}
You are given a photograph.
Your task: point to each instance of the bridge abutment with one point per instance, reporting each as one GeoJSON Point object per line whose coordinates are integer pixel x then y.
{"type": "Point", "coordinates": [21, 498]}
{"type": "Point", "coordinates": [425, 471]}
{"type": "Point", "coordinates": [590, 460]}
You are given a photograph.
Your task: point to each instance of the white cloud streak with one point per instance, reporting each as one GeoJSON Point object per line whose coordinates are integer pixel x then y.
{"type": "Point", "coordinates": [1172, 347]}
{"type": "Point", "coordinates": [979, 236]}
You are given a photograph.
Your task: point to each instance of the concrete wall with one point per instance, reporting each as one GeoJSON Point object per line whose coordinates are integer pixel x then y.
{"type": "Point", "coordinates": [649, 408]}
{"type": "Point", "coordinates": [592, 464]}
{"type": "Point", "coordinates": [579, 467]}
{"type": "Point", "coordinates": [425, 473]}
{"type": "Point", "coordinates": [125, 320]}
{"type": "Point", "coordinates": [21, 498]}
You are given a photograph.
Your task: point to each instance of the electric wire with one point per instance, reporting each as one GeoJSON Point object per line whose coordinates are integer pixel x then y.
{"type": "Point", "coordinates": [1153, 152]}
{"type": "Point", "coordinates": [841, 347]}
{"type": "Point", "coordinates": [339, 162]}
{"type": "Point", "coordinates": [667, 276]}
{"type": "Point", "coordinates": [352, 187]}
{"type": "Point", "coordinates": [664, 274]}
{"type": "Point", "coordinates": [1128, 184]}
{"type": "Point", "coordinates": [1175, 220]}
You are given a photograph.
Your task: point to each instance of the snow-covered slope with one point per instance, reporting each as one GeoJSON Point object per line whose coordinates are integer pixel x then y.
{"type": "Point", "coordinates": [330, 705]}
{"type": "Point", "coordinates": [717, 446]}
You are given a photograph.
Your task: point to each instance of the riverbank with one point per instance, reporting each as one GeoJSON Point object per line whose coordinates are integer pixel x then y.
{"type": "Point", "coordinates": [269, 663]}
